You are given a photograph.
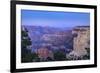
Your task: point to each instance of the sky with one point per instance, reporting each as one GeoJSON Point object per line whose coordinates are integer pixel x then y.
{"type": "Point", "coordinates": [54, 19]}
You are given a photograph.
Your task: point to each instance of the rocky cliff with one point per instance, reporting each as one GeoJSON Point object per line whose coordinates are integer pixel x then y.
{"type": "Point", "coordinates": [81, 40]}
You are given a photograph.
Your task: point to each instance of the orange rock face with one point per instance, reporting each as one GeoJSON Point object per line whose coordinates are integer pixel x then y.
{"type": "Point", "coordinates": [44, 53]}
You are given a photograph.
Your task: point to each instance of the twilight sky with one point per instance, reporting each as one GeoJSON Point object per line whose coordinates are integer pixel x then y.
{"type": "Point", "coordinates": [54, 19]}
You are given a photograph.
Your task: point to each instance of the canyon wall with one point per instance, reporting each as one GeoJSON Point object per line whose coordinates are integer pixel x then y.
{"type": "Point", "coordinates": [81, 40]}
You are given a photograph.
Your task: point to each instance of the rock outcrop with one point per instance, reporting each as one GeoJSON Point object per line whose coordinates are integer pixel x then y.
{"type": "Point", "coordinates": [81, 40]}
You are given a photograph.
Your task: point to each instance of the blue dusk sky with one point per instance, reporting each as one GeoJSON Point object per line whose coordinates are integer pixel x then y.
{"type": "Point", "coordinates": [54, 19]}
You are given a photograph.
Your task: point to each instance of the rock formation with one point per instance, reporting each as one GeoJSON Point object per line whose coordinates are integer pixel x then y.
{"type": "Point", "coordinates": [81, 40]}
